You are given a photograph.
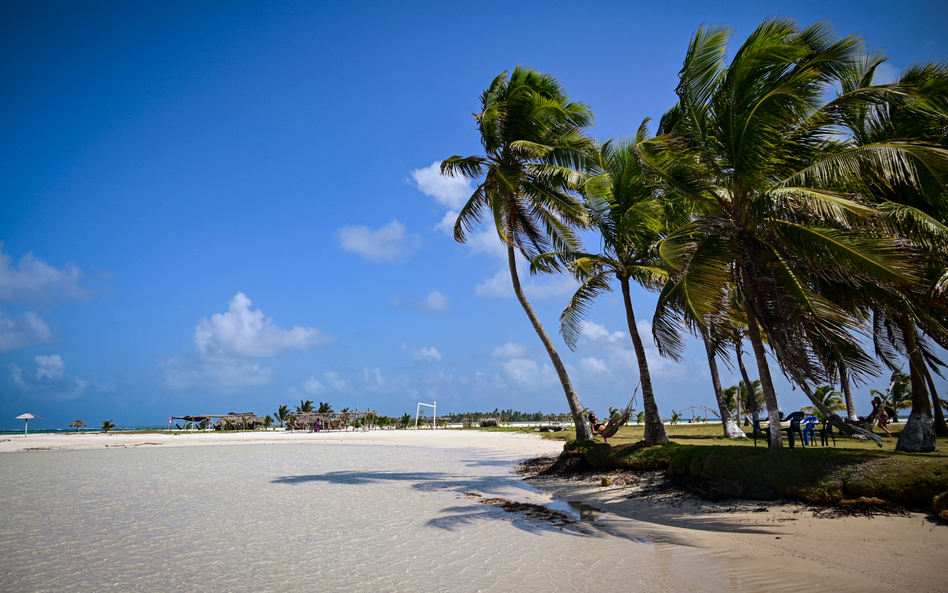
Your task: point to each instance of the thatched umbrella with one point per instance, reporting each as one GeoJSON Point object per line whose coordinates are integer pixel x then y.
{"type": "Point", "coordinates": [27, 417]}
{"type": "Point", "coordinates": [77, 424]}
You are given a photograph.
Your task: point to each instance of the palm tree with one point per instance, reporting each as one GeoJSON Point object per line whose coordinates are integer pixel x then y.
{"type": "Point", "coordinates": [534, 141]}
{"type": "Point", "coordinates": [305, 406]}
{"type": "Point", "coordinates": [107, 426]}
{"type": "Point", "coordinates": [324, 408]}
{"type": "Point", "coordinates": [282, 415]}
{"type": "Point", "coordinates": [630, 220]}
{"type": "Point", "coordinates": [910, 115]}
{"type": "Point", "coordinates": [749, 145]}
{"type": "Point", "coordinates": [267, 421]}
{"type": "Point", "coordinates": [832, 400]}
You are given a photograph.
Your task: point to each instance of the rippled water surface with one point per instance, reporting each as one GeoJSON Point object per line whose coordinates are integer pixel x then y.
{"type": "Point", "coordinates": [304, 518]}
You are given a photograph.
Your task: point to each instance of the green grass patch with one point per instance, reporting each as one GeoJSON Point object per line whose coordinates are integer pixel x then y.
{"type": "Point", "coordinates": [852, 471]}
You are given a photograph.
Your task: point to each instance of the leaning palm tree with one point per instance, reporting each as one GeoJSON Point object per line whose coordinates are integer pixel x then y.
{"type": "Point", "coordinates": [534, 141]}
{"type": "Point", "coordinates": [748, 144]}
{"type": "Point", "coordinates": [912, 114]}
{"type": "Point", "coordinates": [630, 220]}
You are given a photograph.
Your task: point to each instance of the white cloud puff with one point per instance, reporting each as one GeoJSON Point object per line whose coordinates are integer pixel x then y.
{"type": "Point", "coordinates": [388, 243]}
{"type": "Point", "coordinates": [509, 350]}
{"type": "Point", "coordinates": [435, 302]}
{"type": "Point", "coordinates": [427, 354]}
{"type": "Point", "coordinates": [500, 285]}
{"type": "Point", "coordinates": [185, 374]}
{"type": "Point", "coordinates": [50, 367]}
{"type": "Point", "coordinates": [33, 280]}
{"type": "Point", "coordinates": [244, 333]}
{"type": "Point", "coordinates": [527, 373]}
{"type": "Point", "coordinates": [452, 192]}
{"type": "Point", "coordinates": [593, 365]}
{"type": "Point", "coordinates": [27, 330]}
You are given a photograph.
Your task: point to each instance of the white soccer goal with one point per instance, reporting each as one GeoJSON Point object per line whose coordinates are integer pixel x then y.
{"type": "Point", "coordinates": [434, 414]}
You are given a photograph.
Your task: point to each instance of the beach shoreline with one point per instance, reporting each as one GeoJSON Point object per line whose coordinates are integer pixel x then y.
{"type": "Point", "coordinates": [866, 553]}
{"type": "Point", "coordinates": [514, 444]}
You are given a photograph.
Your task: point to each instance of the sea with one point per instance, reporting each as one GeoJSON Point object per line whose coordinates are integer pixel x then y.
{"type": "Point", "coordinates": [314, 517]}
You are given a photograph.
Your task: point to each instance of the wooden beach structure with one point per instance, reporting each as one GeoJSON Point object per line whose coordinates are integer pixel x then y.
{"type": "Point", "coordinates": [229, 421]}
{"type": "Point", "coordinates": [314, 421]}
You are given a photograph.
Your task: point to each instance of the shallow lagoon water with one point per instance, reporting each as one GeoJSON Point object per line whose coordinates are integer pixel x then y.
{"type": "Point", "coordinates": [322, 517]}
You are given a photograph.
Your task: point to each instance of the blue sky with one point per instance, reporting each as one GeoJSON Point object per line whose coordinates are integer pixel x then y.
{"type": "Point", "coordinates": [213, 207]}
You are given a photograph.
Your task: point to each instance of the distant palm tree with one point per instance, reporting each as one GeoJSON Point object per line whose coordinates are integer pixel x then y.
{"type": "Point", "coordinates": [107, 426]}
{"type": "Point", "coordinates": [267, 421]}
{"type": "Point", "coordinates": [834, 400]}
{"type": "Point", "coordinates": [534, 143]}
{"type": "Point", "coordinates": [282, 415]}
{"type": "Point", "coordinates": [324, 408]}
{"type": "Point", "coordinates": [405, 420]}
{"type": "Point", "coordinates": [305, 406]}
{"type": "Point", "coordinates": [640, 417]}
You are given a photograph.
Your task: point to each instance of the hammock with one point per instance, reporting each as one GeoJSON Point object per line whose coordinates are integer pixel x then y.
{"type": "Point", "coordinates": [613, 426]}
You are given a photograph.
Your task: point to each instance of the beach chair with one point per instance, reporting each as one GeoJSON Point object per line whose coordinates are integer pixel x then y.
{"type": "Point", "coordinates": [826, 432]}
{"type": "Point", "coordinates": [808, 428]}
{"type": "Point", "coordinates": [764, 432]}
{"type": "Point", "coordinates": [794, 428]}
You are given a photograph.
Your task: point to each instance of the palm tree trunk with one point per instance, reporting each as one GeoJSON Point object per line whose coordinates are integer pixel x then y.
{"type": "Point", "coordinates": [766, 382]}
{"type": "Point", "coordinates": [919, 432]}
{"type": "Point", "coordinates": [941, 429]}
{"type": "Point", "coordinates": [751, 396]}
{"type": "Point", "coordinates": [654, 427]}
{"type": "Point", "coordinates": [847, 392]}
{"type": "Point", "coordinates": [731, 429]}
{"type": "Point", "coordinates": [583, 432]}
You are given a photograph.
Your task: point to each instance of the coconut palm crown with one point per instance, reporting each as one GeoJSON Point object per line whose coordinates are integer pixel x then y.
{"type": "Point", "coordinates": [534, 144]}
{"type": "Point", "coordinates": [753, 147]}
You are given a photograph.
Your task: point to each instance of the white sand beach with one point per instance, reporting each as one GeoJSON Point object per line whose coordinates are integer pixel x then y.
{"type": "Point", "coordinates": [152, 499]}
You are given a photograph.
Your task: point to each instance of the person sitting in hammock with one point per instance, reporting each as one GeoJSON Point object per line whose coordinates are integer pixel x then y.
{"type": "Point", "coordinates": [608, 430]}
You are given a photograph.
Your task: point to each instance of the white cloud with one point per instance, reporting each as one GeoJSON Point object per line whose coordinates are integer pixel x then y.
{"type": "Point", "coordinates": [243, 333]}
{"type": "Point", "coordinates": [28, 330]}
{"type": "Point", "coordinates": [497, 286]}
{"type": "Point", "coordinates": [487, 242]}
{"type": "Point", "coordinates": [376, 375]}
{"type": "Point", "coordinates": [185, 374]}
{"type": "Point", "coordinates": [452, 192]}
{"type": "Point", "coordinates": [544, 287]}
{"type": "Point", "coordinates": [885, 74]}
{"type": "Point", "coordinates": [389, 243]}
{"type": "Point", "coordinates": [313, 386]}
{"type": "Point", "coordinates": [427, 354]}
{"type": "Point", "coordinates": [595, 331]}
{"type": "Point", "coordinates": [16, 373]}
{"type": "Point", "coordinates": [51, 367]}
{"type": "Point", "coordinates": [593, 365]}
{"type": "Point", "coordinates": [435, 302]}
{"type": "Point", "coordinates": [526, 373]}
{"type": "Point", "coordinates": [509, 350]}
{"type": "Point", "coordinates": [332, 379]}
{"type": "Point", "coordinates": [446, 225]}
{"type": "Point", "coordinates": [33, 280]}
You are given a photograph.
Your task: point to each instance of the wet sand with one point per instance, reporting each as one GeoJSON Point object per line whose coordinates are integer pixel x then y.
{"type": "Point", "coordinates": [772, 546]}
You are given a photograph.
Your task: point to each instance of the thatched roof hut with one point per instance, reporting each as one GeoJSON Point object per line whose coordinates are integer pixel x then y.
{"type": "Point", "coordinates": [235, 421]}
{"type": "Point", "coordinates": [77, 424]}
